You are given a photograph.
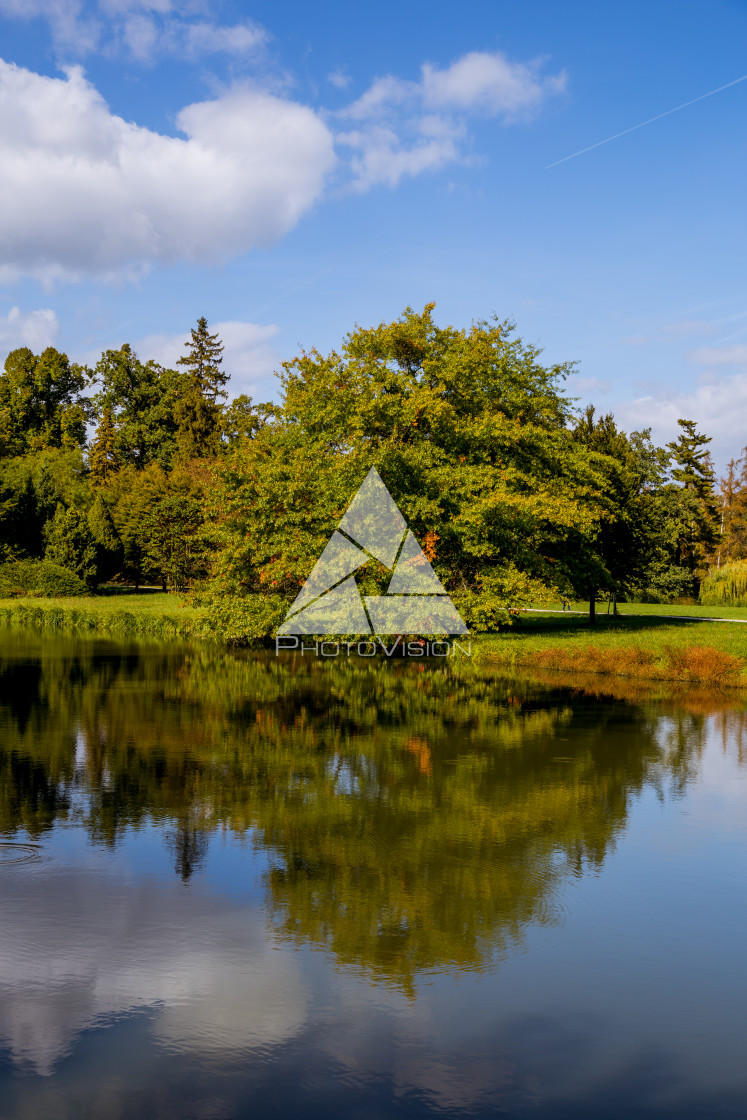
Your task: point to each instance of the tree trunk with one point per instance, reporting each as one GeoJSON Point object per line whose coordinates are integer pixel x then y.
{"type": "Point", "coordinates": [593, 607]}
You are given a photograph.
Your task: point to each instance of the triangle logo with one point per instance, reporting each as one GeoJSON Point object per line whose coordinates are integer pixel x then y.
{"type": "Point", "coordinates": [415, 602]}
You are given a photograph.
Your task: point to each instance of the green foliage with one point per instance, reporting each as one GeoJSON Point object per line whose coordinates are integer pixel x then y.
{"type": "Point", "coordinates": [469, 433]}
{"type": "Point", "coordinates": [170, 518]}
{"type": "Point", "coordinates": [103, 459]}
{"type": "Point", "coordinates": [726, 585]}
{"type": "Point", "coordinates": [697, 534]}
{"type": "Point", "coordinates": [619, 552]}
{"type": "Point", "coordinates": [41, 577]}
{"type": "Point", "coordinates": [141, 398]}
{"type": "Point", "coordinates": [70, 543]}
{"type": "Point", "coordinates": [198, 409]}
{"type": "Point", "coordinates": [109, 550]}
{"type": "Point", "coordinates": [40, 403]}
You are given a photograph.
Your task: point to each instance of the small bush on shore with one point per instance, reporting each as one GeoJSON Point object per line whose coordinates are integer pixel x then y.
{"type": "Point", "coordinates": [39, 577]}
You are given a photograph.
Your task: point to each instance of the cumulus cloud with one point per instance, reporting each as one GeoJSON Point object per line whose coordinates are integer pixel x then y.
{"type": "Point", "coordinates": [718, 407]}
{"type": "Point", "coordinates": [35, 329]}
{"type": "Point", "coordinates": [84, 191]}
{"type": "Point", "coordinates": [403, 128]}
{"type": "Point", "coordinates": [248, 356]}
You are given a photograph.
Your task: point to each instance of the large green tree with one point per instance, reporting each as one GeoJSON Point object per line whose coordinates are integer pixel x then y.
{"type": "Point", "coordinates": [469, 431]}
{"type": "Point", "coordinates": [41, 406]}
{"type": "Point", "coordinates": [140, 397]}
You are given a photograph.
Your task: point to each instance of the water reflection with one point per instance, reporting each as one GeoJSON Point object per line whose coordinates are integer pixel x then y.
{"type": "Point", "coordinates": [411, 821]}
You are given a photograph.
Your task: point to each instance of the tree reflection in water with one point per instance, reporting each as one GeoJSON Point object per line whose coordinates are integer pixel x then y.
{"type": "Point", "coordinates": [415, 817]}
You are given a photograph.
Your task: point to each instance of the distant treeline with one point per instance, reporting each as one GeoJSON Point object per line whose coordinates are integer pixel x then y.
{"type": "Point", "coordinates": [133, 472]}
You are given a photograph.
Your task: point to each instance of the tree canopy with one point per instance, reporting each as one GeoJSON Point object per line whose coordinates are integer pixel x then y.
{"type": "Point", "coordinates": [517, 494]}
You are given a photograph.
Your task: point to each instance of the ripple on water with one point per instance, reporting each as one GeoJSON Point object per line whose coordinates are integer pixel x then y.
{"type": "Point", "coordinates": [18, 853]}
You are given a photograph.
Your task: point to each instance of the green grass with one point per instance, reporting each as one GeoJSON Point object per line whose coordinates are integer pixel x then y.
{"type": "Point", "coordinates": [115, 612]}
{"type": "Point", "coordinates": [635, 645]}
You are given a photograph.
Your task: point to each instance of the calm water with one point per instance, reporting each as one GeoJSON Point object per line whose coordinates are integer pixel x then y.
{"type": "Point", "coordinates": [232, 886]}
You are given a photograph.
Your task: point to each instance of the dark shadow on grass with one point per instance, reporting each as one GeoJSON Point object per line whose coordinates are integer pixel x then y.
{"type": "Point", "coordinates": [605, 624]}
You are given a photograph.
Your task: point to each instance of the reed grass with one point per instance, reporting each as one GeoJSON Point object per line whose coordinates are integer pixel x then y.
{"type": "Point", "coordinates": [162, 617]}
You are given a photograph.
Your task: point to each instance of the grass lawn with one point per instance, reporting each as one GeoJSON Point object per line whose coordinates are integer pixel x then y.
{"type": "Point", "coordinates": [639, 644]}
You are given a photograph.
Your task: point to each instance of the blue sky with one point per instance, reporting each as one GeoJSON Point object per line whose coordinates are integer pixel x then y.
{"type": "Point", "coordinates": [290, 169]}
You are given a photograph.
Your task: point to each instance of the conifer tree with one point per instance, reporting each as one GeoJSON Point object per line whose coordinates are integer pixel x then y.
{"type": "Point", "coordinates": [198, 410]}
{"type": "Point", "coordinates": [103, 459]}
{"type": "Point", "coordinates": [109, 550]}
{"type": "Point", "coordinates": [695, 475]}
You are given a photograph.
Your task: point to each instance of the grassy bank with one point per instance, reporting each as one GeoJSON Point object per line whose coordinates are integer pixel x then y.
{"type": "Point", "coordinates": [638, 644]}
{"type": "Point", "coordinates": [641, 646]}
{"type": "Point", "coordinates": [143, 614]}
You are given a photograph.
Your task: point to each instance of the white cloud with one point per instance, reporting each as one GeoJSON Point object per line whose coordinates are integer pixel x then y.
{"type": "Point", "coordinates": [380, 156]}
{"type": "Point", "coordinates": [480, 81]}
{"type": "Point", "coordinates": [248, 356]}
{"type": "Point", "coordinates": [144, 28]}
{"type": "Point", "coordinates": [339, 79]}
{"type": "Point", "coordinates": [407, 127]}
{"type": "Point", "coordinates": [85, 192]}
{"type": "Point", "coordinates": [488, 82]}
{"type": "Point", "coordinates": [35, 329]}
{"type": "Point", "coordinates": [719, 409]}
{"type": "Point", "coordinates": [720, 355]}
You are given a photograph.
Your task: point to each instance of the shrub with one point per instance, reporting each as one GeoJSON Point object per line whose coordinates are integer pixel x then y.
{"type": "Point", "coordinates": [704, 664]}
{"type": "Point", "coordinates": [70, 544]}
{"type": "Point", "coordinates": [40, 577]}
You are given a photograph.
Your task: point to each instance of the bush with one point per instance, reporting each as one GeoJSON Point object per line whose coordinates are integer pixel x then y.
{"type": "Point", "coordinates": [70, 544]}
{"type": "Point", "coordinates": [39, 577]}
{"type": "Point", "coordinates": [243, 620]}
{"type": "Point", "coordinates": [725, 586]}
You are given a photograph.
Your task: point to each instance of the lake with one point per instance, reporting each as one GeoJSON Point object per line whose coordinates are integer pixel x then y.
{"type": "Point", "coordinates": [234, 885]}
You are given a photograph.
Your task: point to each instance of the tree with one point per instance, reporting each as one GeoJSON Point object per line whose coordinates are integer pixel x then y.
{"type": "Point", "coordinates": [70, 544]}
{"type": "Point", "coordinates": [198, 410]}
{"type": "Point", "coordinates": [468, 431]}
{"type": "Point", "coordinates": [619, 554]}
{"type": "Point", "coordinates": [40, 402]}
{"type": "Point", "coordinates": [109, 550]}
{"type": "Point", "coordinates": [170, 524]}
{"type": "Point", "coordinates": [103, 459]}
{"type": "Point", "coordinates": [698, 534]}
{"type": "Point", "coordinates": [141, 398]}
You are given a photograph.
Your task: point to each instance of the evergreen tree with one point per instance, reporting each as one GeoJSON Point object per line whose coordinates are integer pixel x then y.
{"type": "Point", "coordinates": [698, 535]}
{"type": "Point", "coordinates": [198, 410]}
{"type": "Point", "coordinates": [70, 544]}
{"type": "Point", "coordinates": [109, 551]}
{"type": "Point", "coordinates": [103, 459]}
